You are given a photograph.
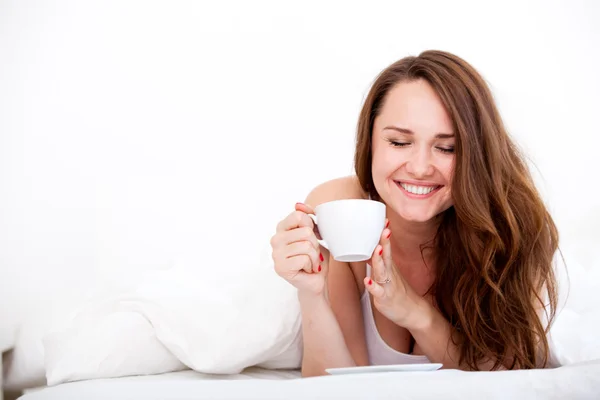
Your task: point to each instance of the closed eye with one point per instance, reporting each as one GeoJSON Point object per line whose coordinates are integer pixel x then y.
{"type": "Point", "coordinates": [448, 150]}
{"type": "Point", "coordinates": [398, 144]}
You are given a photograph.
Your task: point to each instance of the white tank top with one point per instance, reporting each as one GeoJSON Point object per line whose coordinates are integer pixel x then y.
{"type": "Point", "coordinates": [379, 351]}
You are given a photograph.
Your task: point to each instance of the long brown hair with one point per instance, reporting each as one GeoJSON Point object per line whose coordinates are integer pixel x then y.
{"type": "Point", "coordinates": [496, 244]}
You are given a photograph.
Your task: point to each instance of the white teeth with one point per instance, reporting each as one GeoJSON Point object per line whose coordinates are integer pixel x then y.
{"type": "Point", "coordinates": [417, 189]}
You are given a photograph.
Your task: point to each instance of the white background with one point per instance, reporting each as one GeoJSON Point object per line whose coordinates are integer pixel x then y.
{"type": "Point", "coordinates": [141, 135]}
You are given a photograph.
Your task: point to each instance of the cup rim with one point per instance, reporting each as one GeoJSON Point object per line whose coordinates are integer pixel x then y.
{"type": "Point", "coordinates": [350, 200]}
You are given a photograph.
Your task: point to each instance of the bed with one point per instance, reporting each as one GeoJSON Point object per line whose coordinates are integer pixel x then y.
{"type": "Point", "coordinates": [135, 345]}
{"type": "Point", "coordinates": [580, 381]}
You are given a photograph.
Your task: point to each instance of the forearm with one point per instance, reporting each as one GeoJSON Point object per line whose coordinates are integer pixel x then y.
{"type": "Point", "coordinates": [434, 336]}
{"type": "Point", "coordinates": [324, 344]}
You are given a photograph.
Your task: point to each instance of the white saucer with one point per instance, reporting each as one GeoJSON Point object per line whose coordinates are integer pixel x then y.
{"type": "Point", "coordinates": [384, 368]}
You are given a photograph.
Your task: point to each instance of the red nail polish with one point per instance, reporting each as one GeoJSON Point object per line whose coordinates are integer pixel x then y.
{"type": "Point", "coordinates": [387, 223]}
{"type": "Point", "coordinates": [381, 251]}
{"type": "Point", "coordinates": [388, 235]}
{"type": "Point", "coordinates": [370, 282]}
{"type": "Point", "coordinates": [321, 257]}
{"type": "Point", "coordinates": [319, 268]}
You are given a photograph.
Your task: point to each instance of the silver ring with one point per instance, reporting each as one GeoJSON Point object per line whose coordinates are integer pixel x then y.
{"type": "Point", "coordinates": [386, 280]}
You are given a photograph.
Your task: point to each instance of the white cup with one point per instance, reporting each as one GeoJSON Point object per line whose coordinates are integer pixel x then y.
{"type": "Point", "coordinates": [350, 229]}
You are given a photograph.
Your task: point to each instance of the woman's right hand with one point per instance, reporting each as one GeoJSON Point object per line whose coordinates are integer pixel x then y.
{"type": "Point", "coordinates": [297, 253]}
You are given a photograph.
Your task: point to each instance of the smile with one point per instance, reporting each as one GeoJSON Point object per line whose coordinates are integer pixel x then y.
{"type": "Point", "coordinates": [418, 191]}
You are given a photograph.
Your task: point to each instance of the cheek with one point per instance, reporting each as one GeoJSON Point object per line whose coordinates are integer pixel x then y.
{"type": "Point", "coordinates": [446, 200]}
{"type": "Point", "coordinates": [385, 161]}
{"type": "Point", "coordinates": [447, 169]}
{"type": "Point", "coordinates": [380, 165]}
{"type": "Point", "coordinates": [448, 197]}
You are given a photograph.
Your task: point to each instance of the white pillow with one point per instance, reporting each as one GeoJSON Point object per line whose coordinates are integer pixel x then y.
{"type": "Point", "coordinates": [24, 365]}
{"type": "Point", "coordinates": [574, 334]}
{"type": "Point", "coordinates": [105, 346]}
{"type": "Point", "coordinates": [182, 317]}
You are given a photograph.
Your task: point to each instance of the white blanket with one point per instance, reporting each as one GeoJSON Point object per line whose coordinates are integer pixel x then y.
{"type": "Point", "coordinates": [177, 318]}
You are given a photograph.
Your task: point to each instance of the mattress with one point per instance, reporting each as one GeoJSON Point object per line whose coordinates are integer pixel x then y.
{"type": "Point", "coordinates": [581, 381]}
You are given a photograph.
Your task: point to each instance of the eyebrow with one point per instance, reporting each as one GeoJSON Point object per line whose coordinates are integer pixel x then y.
{"type": "Point", "coordinates": [409, 132]}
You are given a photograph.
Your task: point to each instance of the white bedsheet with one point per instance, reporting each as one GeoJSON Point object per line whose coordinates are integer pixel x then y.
{"type": "Point", "coordinates": [581, 381]}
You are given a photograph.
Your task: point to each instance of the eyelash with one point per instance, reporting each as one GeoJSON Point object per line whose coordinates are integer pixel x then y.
{"type": "Point", "coordinates": [442, 149]}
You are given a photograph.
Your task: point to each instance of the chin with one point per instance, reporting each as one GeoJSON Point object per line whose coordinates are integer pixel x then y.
{"type": "Point", "coordinates": [417, 217]}
{"type": "Point", "coordinates": [413, 213]}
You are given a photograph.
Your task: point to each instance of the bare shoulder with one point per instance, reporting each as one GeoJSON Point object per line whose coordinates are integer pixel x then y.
{"type": "Point", "coordinates": [346, 187]}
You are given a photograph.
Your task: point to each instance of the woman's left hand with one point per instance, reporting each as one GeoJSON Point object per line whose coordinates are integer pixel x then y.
{"type": "Point", "coordinates": [392, 295]}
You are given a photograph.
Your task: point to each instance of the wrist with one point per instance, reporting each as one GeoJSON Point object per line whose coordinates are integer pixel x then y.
{"type": "Point", "coordinates": [312, 300]}
{"type": "Point", "coordinates": [424, 317]}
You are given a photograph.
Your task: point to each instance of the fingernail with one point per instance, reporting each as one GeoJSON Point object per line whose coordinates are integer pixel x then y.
{"type": "Point", "coordinates": [321, 257]}
{"type": "Point", "coordinates": [298, 203]}
{"type": "Point", "coordinates": [319, 268]}
{"type": "Point", "coordinates": [370, 282]}
{"type": "Point", "coordinates": [387, 223]}
{"type": "Point", "coordinates": [381, 251]}
{"type": "Point", "coordinates": [388, 235]}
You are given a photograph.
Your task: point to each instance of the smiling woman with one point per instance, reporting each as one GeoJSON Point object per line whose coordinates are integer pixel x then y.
{"type": "Point", "coordinates": [467, 273]}
{"type": "Point", "coordinates": [413, 150]}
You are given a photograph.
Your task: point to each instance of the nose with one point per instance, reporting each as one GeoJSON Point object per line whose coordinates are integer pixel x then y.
{"type": "Point", "coordinates": [419, 164]}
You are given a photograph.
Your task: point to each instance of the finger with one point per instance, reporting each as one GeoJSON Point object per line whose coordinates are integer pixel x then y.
{"type": "Point", "coordinates": [301, 263]}
{"type": "Point", "coordinates": [305, 278]}
{"type": "Point", "coordinates": [324, 257]}
{"type": "Point", "coordinates": [296, 219]}
{"type": "Point", "coordinates": [298, 235]}
{"type": "Point", "coordinates": [305, 208]}
{"type": "Point", "coordinates": [380, 271]}
{"type": "Point", "coordinates": [304, 248]}
{"type": "Point", "coordinates": [374, 288]}
{"type": "Point", "coordinates": [387, 249]}
{"type": "Point", "coordinates": [292, 266]}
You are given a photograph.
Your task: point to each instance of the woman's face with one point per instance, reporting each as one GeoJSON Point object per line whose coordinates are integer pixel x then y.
{"type": "Point", "coordinates": [413, 152]}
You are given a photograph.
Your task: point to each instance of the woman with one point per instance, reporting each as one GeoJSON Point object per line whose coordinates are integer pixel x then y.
{"type": "Point", "coordinates": [463, 272]}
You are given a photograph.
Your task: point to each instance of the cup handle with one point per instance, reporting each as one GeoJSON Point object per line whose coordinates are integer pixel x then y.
{"type": "Point", "coordinates": [321, 241]}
